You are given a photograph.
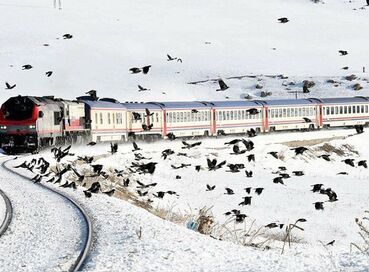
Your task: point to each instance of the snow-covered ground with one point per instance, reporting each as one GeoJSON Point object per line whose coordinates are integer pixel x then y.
{"type": "Point", "coordinates": [44, 231]}
{"type": "Point", "coordinates": [214, 39]}
{"type": "Point", "coordinates": [118, 223]}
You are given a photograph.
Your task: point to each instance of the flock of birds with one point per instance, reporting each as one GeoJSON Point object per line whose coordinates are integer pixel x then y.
{"type": "Point", "coordinates": [145, 165]}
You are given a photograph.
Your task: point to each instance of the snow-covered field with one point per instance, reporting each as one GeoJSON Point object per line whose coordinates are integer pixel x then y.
{"type": "Point", "coordinates": [214, 39]}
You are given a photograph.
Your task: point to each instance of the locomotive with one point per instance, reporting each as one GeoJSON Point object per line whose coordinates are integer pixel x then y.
{"type": "Point", "coordinates": [28, 123]}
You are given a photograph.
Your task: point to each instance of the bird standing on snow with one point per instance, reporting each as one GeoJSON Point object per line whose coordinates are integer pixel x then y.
{"type": "Point", "coordinates": [222, 85]}
{"type": "Point", "coordinates": [9, 87]}
{"type": "Point", "coordinates": [283, 20]}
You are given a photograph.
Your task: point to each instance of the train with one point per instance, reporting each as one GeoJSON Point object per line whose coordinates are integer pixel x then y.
{"type": "Point", "coordinates": [29, 123]}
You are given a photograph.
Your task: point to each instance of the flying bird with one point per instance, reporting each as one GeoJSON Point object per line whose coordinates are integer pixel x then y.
{"type": "Point", "coordinates": [49, 73]}
{"type": "Point", "coordinates": [274, 154]}
{"type": "Point", "coordinates": [363, 162]}
{"type": "Point", "coordinates": [343, 52]}
{"type": "Point", "coordinates": [325, 157]}
{"type": "Point", "coordinates": [316, 187]}
{"type": "Point", "coordinates": [27, 67]}
{"type": "Point", "coordinates": [67, 36]}
{"type": "Point", "coordinates": [222, 85]}
{"type": "Point", "coordinates": [142, 89]}
{"type": "Point", "coordinates": [9, 87]}
{"type": "Point", "coordinates": [146, 69]}
{"type": "Point", "coordinates": [210, 188]}
{"type": "Point", "coordinates": [135, 70]}
{"type": "Point", "coordinates": [319, 205]}
{"type": "Point", "coordinates": [259, 190]}
{"type": "Point", "coordinates": [229, 191]}
{"type": "Point", "coordinates": [283, 20]}
{"type": "Point", "coordinates": [349, 162]}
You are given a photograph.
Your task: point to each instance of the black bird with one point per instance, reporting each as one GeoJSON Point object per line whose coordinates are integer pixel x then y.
{"type": "Point", "coordinates": [349, 162]}
{"type": "Point", "coordinates": [135, 147]}
{"type": "Point", "coordinates": [345, 68]}
{"type": "Point", "coordinates": [299, 150]}
{"type": "Point", "coordinates": [251, 132]}
{"type": "Point", "coordinates": [67, 36]}
{"type": "Point", "coordinates": [222, 85]}
{"type": "Point", "coordinates": [95, 187]}
{"type": "Point", "coordinates": [332, 242]}
{"type": "Point", "coordinates": [237, 151]}
{"type": "Point", "coordinates": [93, 94]}
{"type": "Point", "coordinates": [259, 190]}
{"type": "Point", "coordinates": [318, 205]}
{"type": "Point", "coordinates": [229, 191]}
{"type": "Point", "coordinates": [248, 173]}
{"type": "Point", "coordinates": [210, 188]}
{"type": "Point", "coordinates": [198, 168]}
{"type": "Point", "coordinates": [169, 58]}
{"type": "Point", "coordinates": [233, 168]}
{"type": "Point", "coordinates": [159, 194]}
{"type": "Point", "coordinates": [148, 113]}
{"type": "Point", "coordinates": [37, 178]}
{"type": "Point", "coordinates": [325, 157]}
{"type": "Point", "coordinates": [91, 143]}
{"type": "Point", "coordinates": [97, 168]}
{"type": "Point", "coordinates": [235, 141]}
{"type": "Point", "coordinates": [135, 70]}
{"type": "Point", "coordinates": [247, 201]}
{"type": "Point", "coordinates": [146, 69]}
{"type": "Point", "coordinates": [248, 190]}
{"type": "Point", "coordinates": [274, 154]}
{"type": "Point", "coordinates": [187, 145]}
{"type": "Point", "coordinates": [80, 177]}
{"type": "Point", "coordinates": [167, 152]}
{"type": "Point", "coordinates": [27, 67]}
{"type": "Point", "coordinates": [110, 192]}
{"type": "Point", "coordinates": [87, 194]}
{"type": "Point", "coordinates": [283, 20]}
{"type": "Point", "coordinates": [251, 157]}
{"type": "Point", "coordinates": [307, 120]}
{"type": "Point", "coordinates": [50, 180]}
{"type": "Point", "coordinates": [136, 116]}
{"type": "Point", "coordinates": [271, 225]}
{"type": "Point", "coordinates": [140, 193]}
{"type": "Point", "coordinates": [362, 163]}
{"type": "Point", "coordinates": [284, 175]}
{"type": "Point", "coordinates": [183, 165]}
{"type": "Point", "coordinates": [212, 165]}
{"type": "Point", "coordinates": [148, 168]}
{"type": "Point", "coordinates": [142, 89]}
{"type": "Point", "coordinates": [252, 111]}
{"type": "Point", "coordinates": [342, 173]}
{"type": "Point", "coordinates": [298, 173]}
{"type": "Point", "coordinates": [248, 144]}
{"type": "Point", "coordinates": [147, 127]}
{"type": "Point", "coordinates": [9, 87]}
{"type": "Point", "coordinates": [194, 111]}
{"type": "Point", "coordinates": [316, 187]}
{"type": "Point", "coordinates": [113, 148]}
{"type": "Point", "coordinates": [171, 136]}
{"type": "Point", "coordinates": [282, 168]}
{"type": "Point", "coordinates": [126, 182]}
{"type": "Point", "coordinates": [277, 180]}
{"type": "Point", "coordinates": [343, 52]}
{"type": "Point", "coordinates": [49, 73]}
{"type": "Point", "coordinates": [240, 218]}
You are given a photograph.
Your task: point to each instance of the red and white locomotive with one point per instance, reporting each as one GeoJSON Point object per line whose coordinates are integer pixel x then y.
{"type": "Point", "coordinates": [28, 123]}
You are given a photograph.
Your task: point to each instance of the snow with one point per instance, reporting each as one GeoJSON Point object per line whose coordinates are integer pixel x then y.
{"type": "Point", "coordinates": [108, 39]}
{"type": "Point", "coordinates": [44, 231]}
{"type": "Point", "coordinates": [214, 39]}
{"type": "Point", "coordinates": [164, 244]}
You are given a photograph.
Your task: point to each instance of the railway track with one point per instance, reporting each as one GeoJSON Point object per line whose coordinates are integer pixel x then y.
{"type": "Point", "coordinates": [87, 238]}
{"type": "Point", "coordinates": [8, 213]}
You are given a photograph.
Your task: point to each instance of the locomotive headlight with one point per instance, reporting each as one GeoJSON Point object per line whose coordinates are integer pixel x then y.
{"type": "Point", "coordinates": [2, 127]}
{"type": "Point", "coordinates": [32, 126]}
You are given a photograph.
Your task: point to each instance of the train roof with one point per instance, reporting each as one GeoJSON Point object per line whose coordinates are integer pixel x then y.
{"type": "Point", "coordinates": [141, 106]}
{"type": "Point", "coordinates": [235, 104]}
{"type": "Point", "coordinates": [343, 100]}
{"type": "Point", "coordinates": [182, 105]}
{"type": "Point", "coordinates": [290, 102]}
{"type": "Point", "coordinates": [103, 104]}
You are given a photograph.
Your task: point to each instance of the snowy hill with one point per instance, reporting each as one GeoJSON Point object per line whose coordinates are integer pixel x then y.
{"type": "Point", "coordinates": [216, 39]}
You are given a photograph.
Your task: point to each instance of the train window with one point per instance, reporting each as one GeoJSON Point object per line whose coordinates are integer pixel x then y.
{"type": "Point", "coordinates": [101, 118]}
{"type": "Point", "coordinates": [157, 117]}
{"type": "Point", "coordinates": [181, 117]}
{"type": "Point", "coordinates": [326, 110]}
{"type": "Point", "coordinates": [273, 113]}
{"type": "Point", "coordinates": [109, 118]}
{"type": "Point", "coordinates": [362, 108]}
{"type": "Point", "coordinates": [349, 109]}
{"type": "Point", "coordinates": [119, 118]}
{"type": "Point", "coordinates": [231, 115]}
{"type": "Point", "coordinates": [345, 109]}
{"type": "Point", "coordinates": [353, 109]}
{"type": "Point", "coordinates": [293, 112]}
{"type": "Point", "coordinates": [169, 115]}
{"type": "Point", "coordinates": [96, 118]}
{"type": "Point", "coordinates": [288, 112]}
{"type": "Point", "coordinates": [312, 111]}
{"type": "Point", "coordinates": [185, 117]}
{"type": "Point", "coordinates": [366, 108]}
{"type": "Point", "coordinates": [341, 110]}
{"type": "Point", "coordinates": [113, 118]}
{"type": "Point", "coordinates": [243, 115]}
{"type": "Point", "coordinates": [357, 109]}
